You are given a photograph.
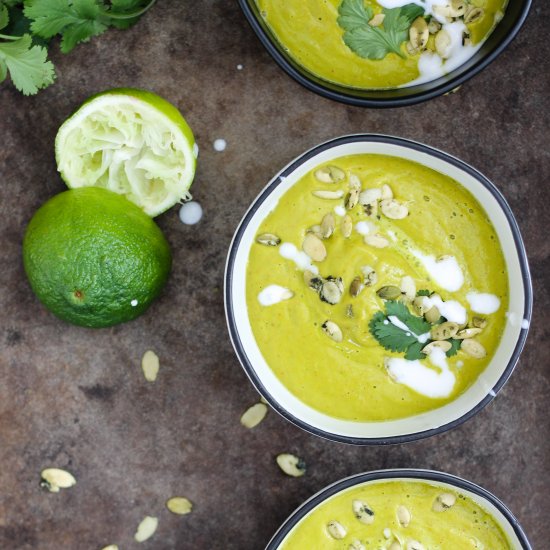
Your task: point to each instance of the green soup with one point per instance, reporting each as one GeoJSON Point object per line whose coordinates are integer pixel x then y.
{"type": "Point", "coordinates": [397, 514]}
{"type": "Point", "coordinates": [321, 36]}
{"type": "Point", "coordinates": [378, 368]}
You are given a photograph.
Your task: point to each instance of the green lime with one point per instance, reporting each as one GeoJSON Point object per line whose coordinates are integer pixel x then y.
{"type": "Point", "coordinates": [95, 259]}
{"type": "Point", "coordinates": [132, 142]}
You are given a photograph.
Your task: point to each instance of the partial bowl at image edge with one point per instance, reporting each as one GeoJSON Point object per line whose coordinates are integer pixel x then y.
{"type": "Point", "coordinates": [508, 522]}
{"type": "Point", "coordinates": [385, 432]}
{"type": "Point", "coordinates": [504, 33]}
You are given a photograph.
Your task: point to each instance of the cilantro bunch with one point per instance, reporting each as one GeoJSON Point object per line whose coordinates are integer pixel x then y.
{"type": "Point", "coordinates": [376, 42]}
{"type": "Point", "coordinates": [27, 26]}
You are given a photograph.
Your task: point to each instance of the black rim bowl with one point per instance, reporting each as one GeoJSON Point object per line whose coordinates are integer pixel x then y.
{"type": "Point", "coordinates": [230, 306]}
{"type": "Point", "coordinates": [427, 475]}
{"type": "Point", "coordinates": [507, 29]}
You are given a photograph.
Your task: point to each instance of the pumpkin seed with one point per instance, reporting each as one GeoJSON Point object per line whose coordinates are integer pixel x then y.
{"type": "Point", "coordinates": [418, 305]}
{"type": "Point", "coordinates": [434, 26]}
{"type": "Point", "coordinates": [357, 545]}
{"type": "Point", "coordinates": [467, 333]}
{"type": "Point", "coordinates": [146, 529]}
{"type": "Point", "coordinates": [314, 247]}
{"type": "Point", "coordinates": [315, 230]}
{"type": "Point", "coordinates": [473, 348]}
{"type": "Point", "coordinates": [354, 183]}
{"type": "Point", "coordinates": [349, 310]}
{"type": "Point", "coordinates": [150, 365]}
{"type": "Point", "coordinates": [389, 292]}
{"type": "Point", "coordinates": [331, 291]}
{"type": "Point", "coordinates": [376, 240]}
{"type": "Point", "coordinates": [419, 33]}
{"type": "Point", "coordinates": [408, 287]}
{"type": "Point", "coordinates": [403, 515]}
{"type": "Point", "coordinates": [432, 315]}
{"type": "Point", "coordinates": [387, 533]}
{"type": "Point", "coordinates": [352, 198]}
{"type": "Point", "coordinates": [291, 465]}
{"type": "Point", "coordinates": [458, 8]}
{"type": "Point", "coordinates": [328, 225]}
{"type": "Point", "coordinates": [356, 287]}
{"type": "Point", "coordinates": [444, 331]}
{"type": "Point", "coordinates": [369, 274]}
{"type": "Point", "coordinates": [377, 20]}
{"type": "Point", "coordinates": [268, 239]}
{"type": "Point", "coordinates": [415, 545]}
{"type": "Point", "coordinates": [316, 283]}
{"type": "Point", "coordinates": [347, 226]}
{"type": "Point", "coordinates": [395, 545]}
{"type": "Point", "coordinates": [179, 505]}
{"type": "Point", "coordinates": [54, 479]}
{"type": "Point", "coordinates": [443, 43]}
{"type": "Point", "coordinates": [443, 502]}
{"type": "Point", "coordinates": [411, 50]}
{"type": "Point", "coordinates": [369, 196]}
{"type": "Point", "coordinates": [328, 195]}
{"type": "Point", "coordinates": [336, 530]}
{"type": "Point", "coordinates": [386, 192]}
{"type": "Point", "coordinates": [444, 11]}
{"type": "Point", "coordinates": [394, 210]}
{"type": "Point", "coordinates": [371, 209]}
{"type": "Point", "coordinates": [308, 277]}
{"type": "Point", "coordinates": [254, 415]}
{"type": "Point", "coordinates": [332, 330]}
{"type": "Point", "coordinates": [444, 345]}
{"type": "Point", "coordinates": [329, 174]}
{"type": "Point", "coordinates": [362, 511]}
{"type": "Point", "coordinates": [479, 322]}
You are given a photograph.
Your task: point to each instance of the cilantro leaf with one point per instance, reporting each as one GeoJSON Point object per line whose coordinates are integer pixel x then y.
{"type": "Point", "coordinates": [415, 352]}
{"type": "Point", "coordinates": [418, 325]}
{"type": "Point", "coordinates": [3, 70]}
{"type": "Point", "coordinates": [376, 42]}
{"type": "Point", "coordinates": [388, 335]}
{"type": "Point", "coordinates": [28, 65]}
{"type": "Point", "coordinates": [423, 292]}
{"type": "Point", "coordinates": [455, 346]}
{"type": "Point", "coordinates": [4, 16]}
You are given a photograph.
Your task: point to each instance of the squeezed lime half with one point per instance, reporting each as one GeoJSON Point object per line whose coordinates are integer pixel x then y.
{"type": "Point", "coordinates": [132, 142]}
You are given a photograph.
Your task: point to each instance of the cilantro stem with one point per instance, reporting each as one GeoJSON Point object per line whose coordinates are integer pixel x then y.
{"type": "Point", "coordinates": [121, 16]}
{"type": "Point", "coordinates": [8, 37]}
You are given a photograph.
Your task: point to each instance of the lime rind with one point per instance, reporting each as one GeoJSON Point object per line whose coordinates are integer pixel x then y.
{"type": "Point", "coordinates": [131, 142]}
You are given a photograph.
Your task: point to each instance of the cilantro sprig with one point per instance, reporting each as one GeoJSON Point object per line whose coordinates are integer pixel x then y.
{"type": "Point", "coordinates": [376, 42]}
{"type": "Point", "coordinates": [27, 26]}
{"type": "Point", "coordinates": [400, 340]}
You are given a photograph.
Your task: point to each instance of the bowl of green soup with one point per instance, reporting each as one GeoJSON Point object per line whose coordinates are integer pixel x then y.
{"type": "Point", "coordinates": [377, 291]}
{"type": "Point", "coordinates": [401, 510]}
{"type": "Point", "coordinates": [384, 53]}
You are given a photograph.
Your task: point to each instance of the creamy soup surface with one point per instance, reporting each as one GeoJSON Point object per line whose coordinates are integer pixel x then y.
{"type": "Point", "coordinates": [345, 41]}
{"type": "Point", "coordinates": [380, 295]}
{"type": "Point", "coordinates": [405, 514]}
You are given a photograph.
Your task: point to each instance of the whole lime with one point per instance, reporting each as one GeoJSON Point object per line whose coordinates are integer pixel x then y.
{"type": "Point", "coordinates": [95, 259]}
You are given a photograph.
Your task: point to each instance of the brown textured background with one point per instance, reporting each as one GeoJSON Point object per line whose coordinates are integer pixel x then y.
{"type": "Point", "coordinates": [76, 398]}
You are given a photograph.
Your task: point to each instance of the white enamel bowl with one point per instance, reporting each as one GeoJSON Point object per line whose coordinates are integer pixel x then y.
{"type": "Point", "coordinates": [414, 427]}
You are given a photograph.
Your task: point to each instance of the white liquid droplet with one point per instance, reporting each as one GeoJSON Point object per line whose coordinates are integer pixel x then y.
{"type": "Point", "coordinates": [273, 294]}
{"type": "Point", "coordinates": [191, 213]}
{"type": "Point", "coordinates": [300, 258]}
{"type": "Point", "coordinates": [340, 210]}
{"type": "Point", "coordinates": [444, 271]}
{"type": "Point", "coordinates": [482, 302]}
{"type": "Point", "coordinates": [525, 324]}
{"type": "Point", "coordinates": [220, 145]}
{"type": "Point", "coordinates": [134, 303]}
{"type": "Point", "coordinates": [195, 150]}
{"type": "Point", "coordinates": [239, 67]}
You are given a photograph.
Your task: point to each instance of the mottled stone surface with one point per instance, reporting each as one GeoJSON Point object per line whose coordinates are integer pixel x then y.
{"type": "Point", "coordinates": [76, 398]}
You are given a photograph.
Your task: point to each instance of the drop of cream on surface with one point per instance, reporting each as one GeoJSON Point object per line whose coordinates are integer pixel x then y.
{"type": "Point", "coordinates": [134, 303]}
{"type": "Point", "coordinates": [273, 294]}
{"type": "Point", "coordinates": [191, 213]}
{"type": "Point", "coordinates": [220, 145]}
{"type": "Point", "coordinates": [482, 302]}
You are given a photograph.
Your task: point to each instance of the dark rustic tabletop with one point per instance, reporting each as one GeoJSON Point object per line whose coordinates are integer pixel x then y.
{"type": "Point", "coordinates": [76, 398]}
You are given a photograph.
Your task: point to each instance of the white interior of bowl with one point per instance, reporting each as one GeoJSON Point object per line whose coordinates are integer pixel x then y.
{"type": "Point", "coordinates": [485, 504]}
{"type": "Point", "coordinates": [426, 421]}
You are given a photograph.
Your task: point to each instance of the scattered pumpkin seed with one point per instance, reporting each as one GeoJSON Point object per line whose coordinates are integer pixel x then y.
{"type": "Point", "coordinates": [308, 277]}
{"type": "Point", "coordinates": [411, 50]}
{"type": "Point", "coordinates": [316, 283]}
{"type": "Point", "coordinates": [443, 43]}
{"type": "Point", "coordinates": [377, 20]}
{"type": "Point", "coordinates": [389, 292]}
{"type": "Point", "coordinates": [150, 365]}
{"type": "Point", "coordinates": [362, 511]}
{"type": "Point", "coordinates": [357, 545]}
{"type": "Point", "coordinates": [291, 465]}
{"type": "Point", "coordinates": [479, 322]}
{"type": "Point", "coordinates": [329, 174]}
{"type": "Point", "coordinates": [354, 183]}
{"type": "Point", "coordinates": [332, 290]}
{"type": "Point", "coordinates": [371, 209]}
{"type": "Point", "coordinates": [347, 226]}
{"type": "Point", "coordinates": [268, 239]}
{"type": "Point", "coordinates": [328, 224]}
{"type": "Point", "coordinates": [336, 530]}
{"type": "Point", "coordinates": [54, 479]}
{"type": "Point", "coordinates": [376, 240]}
{"type": "Point", "coordinates": [432, 315]}
{"type": "Point", "coordinates": [443, 502]}
{"type": "Point", "coordinates": [315, 230]}
{"type": "Point", "coordinates": [356, 287]}
{"type": "Point", "coordinates": [179, 505]}
{"type": "Point", "coordinates": [444, 345]}
{"type": "Point", "coordinates": [332, 330]}
{"type": "Point", "coordinates": [386, 192]}
{"type": "Point", "coordinates": [369, 274]}
{"type": "Point", "coordinates": [352, 198]}
{"type": "Point", "coordinates": [328, 195]}
{"type": "Point", "coordinates": [444, 11]}
{"type": "Point", "coordinates": [444, 331]}
{"type": "Point", "coordinates": [415, 545]}
{"type": "Point", "coordinates": [419, 33]}
{"type": "Point", "coordinates": [394, 210]}
{"type": "Point", "coordinates": [254, 415]}
{"type": "Point", "coordinates": [418, 305]}
{"type": "Point", "coordinates": [314, 247]}
{"type": "Point", "coordinates": [458, 8]}
{"type": "Point", "coordinates": [369, 196]}
{"type": "Point", "coordinates": [473, 348]}
{"type": "Point", "coordinates": [403, 515]}
{"type": "Point", "coordinates": [146, 529]}
{"type": "Point", "coordinates": [467, 333]}
{"type": "Point", "coordinates": [408, 287]}
{"type": "Point", "coordinates": [434, 26]}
